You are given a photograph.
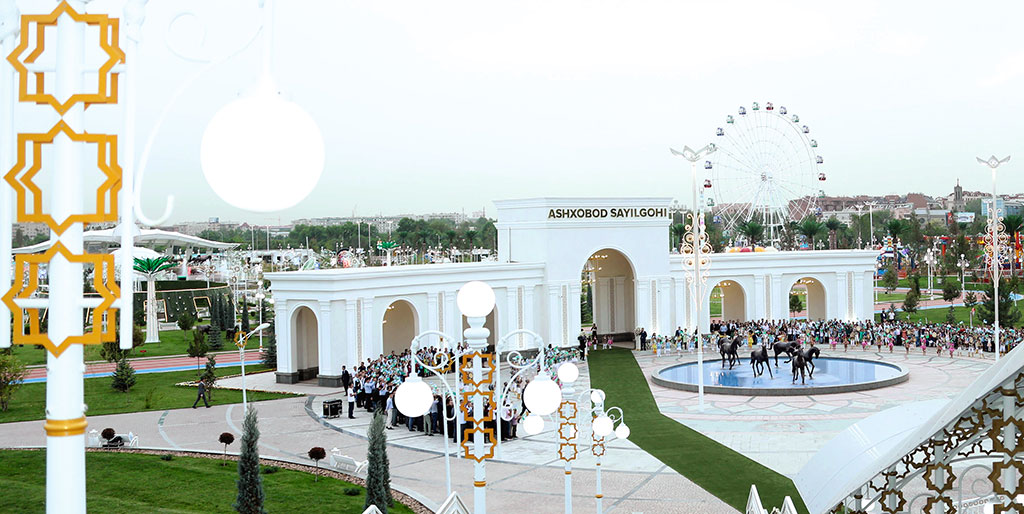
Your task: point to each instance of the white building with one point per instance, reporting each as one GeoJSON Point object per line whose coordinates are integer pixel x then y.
{"type": "Point", "coordinates": [329, 318]}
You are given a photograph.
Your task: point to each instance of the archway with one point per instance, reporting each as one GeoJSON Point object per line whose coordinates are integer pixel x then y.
{"type": "Point", "coordinates": [728, 302]}
{"type": "Point", "coordinates": [305, 339]}
{"type": "Point", "coordinates": [607, 297]}
{"type": "Point", "coordinates": [399, 326]}
{"type": "Point", "coordinates": [489, 324]}
{"type": "Point", "coordinates": [811, 293]}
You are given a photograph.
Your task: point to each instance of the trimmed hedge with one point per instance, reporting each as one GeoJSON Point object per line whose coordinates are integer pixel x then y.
{"type": "Point", "coordinates": [178, 296]}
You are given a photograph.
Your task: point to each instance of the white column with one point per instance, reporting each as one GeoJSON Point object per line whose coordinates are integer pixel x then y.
{"type": "Point", "coordinates": [837, 306]}
{"type": "Point", "coordinates": [642, 298]}
{"type": "Point", "coordinates": [528, 313]}
{"type": "Point", "coordinates": [554, 308]}
{"type": "Point", "coordinates": [433, 323]}
{"type": "Point", "coordinates": [665, 306]}
{"type": "Point", "coordinates": [510, 318]}
{"type": "Point", "coordinates": [759, 295]}
{"type": "Point", "coordinates": [575, 321]}
{"type": "Point", "coordinates": [602, 306]}
{"type": "Point", "coordinates": [372, 343]}
{"type": "Point", "coordinates": [351, 335]}
{"type": "Point", "coordinates": [681, 307]}
{"type": "Point", "coordinates": [780, 298]}
{"type": "Point", "coordinates": [283, 335]}
{"type": "Point", "coordinates": [617, 306]}
{"type": "Point", "coordinates": [452, 316]}
{"type": "Point", "coordinates": [330, 364]}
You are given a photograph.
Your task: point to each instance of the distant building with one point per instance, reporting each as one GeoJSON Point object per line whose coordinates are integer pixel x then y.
{"type": "Point", "coordinates": [381, 223]}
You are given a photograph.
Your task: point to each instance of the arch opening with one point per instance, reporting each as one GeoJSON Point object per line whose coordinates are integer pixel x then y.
{"type": "Point", "coordinates": [305, 339]}
{"type": "Point", "coordinates": [727, 302]}
{"type": "Point", "coordinates": [398, 327]}
{"type": "Point", "coordinates": [608, 294]}
{"type": "Point", "coordinates": [807, 299]}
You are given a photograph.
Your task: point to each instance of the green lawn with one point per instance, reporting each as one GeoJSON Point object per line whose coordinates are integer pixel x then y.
{"type": "Point", "coordinates": [718, 469]}
{"type": "Point", "coordinates": [893, 297]}
{"type": "Point", "coordinates": [131, 482]}
{"type": "Point", "coordinates": [29, 403]}
{"type": "Point", "coordinates": [172, 342]}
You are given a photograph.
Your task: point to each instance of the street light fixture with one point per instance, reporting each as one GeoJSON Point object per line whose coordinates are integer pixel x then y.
{"type": "Point", "coordinates": [962, 264]}
{"type": "Point", "coordinates": [696, 258]}
{"type": "Point", "coordinates": [996, 233]}
{"type": "Point", "coordinates": [930, 261]}
{"type": "Point", "coordinates": [240, 341]}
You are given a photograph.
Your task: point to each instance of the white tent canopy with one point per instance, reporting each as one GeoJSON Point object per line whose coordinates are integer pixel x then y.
{"type": "Point", "coordinates": [149, 237]}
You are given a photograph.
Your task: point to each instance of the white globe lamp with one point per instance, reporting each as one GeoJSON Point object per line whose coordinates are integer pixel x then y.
{"type": "Point", "coordinates": [622, 431]}
{"type": "Point", "coordinates": [597, 396]}
{"type": "Point", "coordinates": [603, 425]}
{"type": "Point", "coordinates": [475, 299]}
{"type": "Point", "coordinates": [568, 372]}
{"type": "Point", "coordinates": [413, 397]}
{"type": "Point", "coordinates": [542, 395]}
{"type": "Point", "coordinates": [533, 424]}
{"type": "Point", "coordinates": [261, 152]}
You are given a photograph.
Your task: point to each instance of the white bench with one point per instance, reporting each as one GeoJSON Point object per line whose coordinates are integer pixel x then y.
{"type": "Point", "coordinates": [346, 463]}
{"type": "Point", "coordinates": [128, 440]}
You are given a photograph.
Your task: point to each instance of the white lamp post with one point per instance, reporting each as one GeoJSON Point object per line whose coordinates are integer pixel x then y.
{"type": "Point", "coordinates": [260, 295]}
{"type": "Point", "coordinates": [240, 343]}
{"type": "Point", "coordinates": [696, 259]}
{"type": "Point", "coordinates": [992, 246]}
{"type": "Point", "coordinates": [962, 264]}
{"type": "Point", "coordinates": [929, 260]}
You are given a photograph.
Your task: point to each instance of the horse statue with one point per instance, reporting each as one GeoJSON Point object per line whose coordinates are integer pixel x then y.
{"type": "Point", "coordinates": [799, 365]}
{"type": "Point", "coordinates": [729, 350]}
{"type": "Point", "coordinates": [786, 348]}
{"type": "Point", "coordinates": [759, 361]}
{"type": "Point", "coordinates": [809, 354]}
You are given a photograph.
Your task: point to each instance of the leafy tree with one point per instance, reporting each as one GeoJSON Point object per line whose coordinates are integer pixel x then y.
{"type": "Point", "coordinates": [226, 438]}
{"type": "Point", "coordinates": [270, 350]}
{"type": "Point", "coordinates": [950, 290]}
{"type": "Point", "coordinates": [150, 268]}
{"type": "Point", "coordinates": [795, 304]}
{"type": "Point", "coordinates": [915, 283]}
{"type": "Point", "coordinates": [111, 351]}
{"type": "Point", "coordinates": [197, 347]}
{"type": "Point", "coordinates": [12, 375]}
{"type": "Point", "coordinates": [186, 321]}
{"type": "Point", "coordinates": [970, 299]}
{"type": "Point", "coordinates": [378, 474]}
{"type": "Point", "coordinates": [950, 315]}
{"type": "Point", "coordinates": [209, 376]}
{"type": "Point", "coordinates": [890, 279]}
{"type": "Point", "coordinates": [910, 302]}
{"type": "Point", "coordinates": [124, 377]}
{"type": "Point", "coordinates": [678, 232]}
{"type": "Point", "coordinates": [1009, 316]}
{"type": "Point", "coordinates": [250, 484]}
{"type": "Point", "coordinates": [317, 454]}
{"type": "Point", "coordinates": [1013, 224]}
{"type": "Point", "coordinates": [833, 225]}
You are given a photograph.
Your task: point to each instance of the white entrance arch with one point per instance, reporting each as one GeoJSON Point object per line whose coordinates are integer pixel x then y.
{"type": "Point", "coordinates": [733, 298]}
{"type": "Point", "coordinates": [305, 334]}
{"type": "Point", "coordinates": [399, 326]}
{"type": "Point", "coordinates": [611, 278]}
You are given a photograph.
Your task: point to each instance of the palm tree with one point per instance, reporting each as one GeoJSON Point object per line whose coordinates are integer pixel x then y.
{"type": "Point", "coordinates": [810, 228]}
{"type": "Point", "coordinates": [896, 227]}
{"type": "Point", "coordinates": [751, 230]}
{"type": "Point", "coordinates": [832, 224]}
{"type": "Point", "coordinates": [149, 268]}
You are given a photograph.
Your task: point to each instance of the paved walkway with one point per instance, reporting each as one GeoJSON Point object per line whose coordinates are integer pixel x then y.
{"type": "Point", "coordinates": [154, 365]}
{"type": "Point", "coordinates": [527, 473]}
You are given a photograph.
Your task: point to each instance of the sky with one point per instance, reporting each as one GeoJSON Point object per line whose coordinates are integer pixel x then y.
{"type": "Point", "coordinates": [447, 105]}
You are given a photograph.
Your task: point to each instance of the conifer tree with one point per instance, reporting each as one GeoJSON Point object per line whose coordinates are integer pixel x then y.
{"type": "Point", "coordinates": [250, 483]}
{"type": "Point", "coordinates": [378, 476]}
{"type": "Point", "coordinates": [209, 376]}
{"type": "Point", "coordinates": [124, 377]}
{"type": "Point", "coordinates": [270, 350]}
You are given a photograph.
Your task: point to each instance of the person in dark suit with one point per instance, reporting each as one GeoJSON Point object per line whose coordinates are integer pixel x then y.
{"type": "Point", "coordinates": [346, 378]}
{"type": "Point", "coordinates": [201, 394]}
{"type": "Point", "coordinates": [643, 339]}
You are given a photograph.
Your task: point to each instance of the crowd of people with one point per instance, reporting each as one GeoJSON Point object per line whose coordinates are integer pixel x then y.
{"type": "Point", "coordinates": [941, 338]}
{"type": "Point", "coordinates": [372, 386]}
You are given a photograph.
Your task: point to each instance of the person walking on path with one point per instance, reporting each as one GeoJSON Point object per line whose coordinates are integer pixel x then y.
{"type": "Point", "coordinates": [201, 394]}
{"type": "Point", "coordinates": [351, 403]}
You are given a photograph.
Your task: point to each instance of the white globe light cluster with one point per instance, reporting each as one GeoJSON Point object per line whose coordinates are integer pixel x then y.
{"type": "Point", "coordinates": [542, 395]}
{"type": "Point", "coordinates": [533, 424]}
{"type": "Point", "coordinates": [475, 299]}
{"type": "Point", "coordinates": [568, 372]}
{"type": "Point", "coordinates": [414, 397]}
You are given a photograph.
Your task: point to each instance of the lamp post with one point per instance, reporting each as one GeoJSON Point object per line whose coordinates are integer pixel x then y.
{"type": "Point", "coordinates": [260, 295]}
{"type": "Point", "coordinates": [240, 341]}
{"type": "Point", "coordinates": [962, 264]}
{"type": "Point", "coordinates": [995, 233]}
{"type": "Point", "coordinates": [871, 224]}
{"type": "Point", "coordinates": [929, 260]}
{"type": "Point", "coordinates": [696, 259]}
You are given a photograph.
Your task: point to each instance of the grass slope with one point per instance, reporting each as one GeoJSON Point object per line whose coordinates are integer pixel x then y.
{"type": "Point", "coordinates": [29, 403]}
{"type": "Point", "coordinates": [126, 482]}
{"type": "Point", "coordinates": [718, 469]}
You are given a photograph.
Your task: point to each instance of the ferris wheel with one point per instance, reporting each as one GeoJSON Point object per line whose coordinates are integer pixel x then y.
{"type": "Point", "coordinates": [766, 169]}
